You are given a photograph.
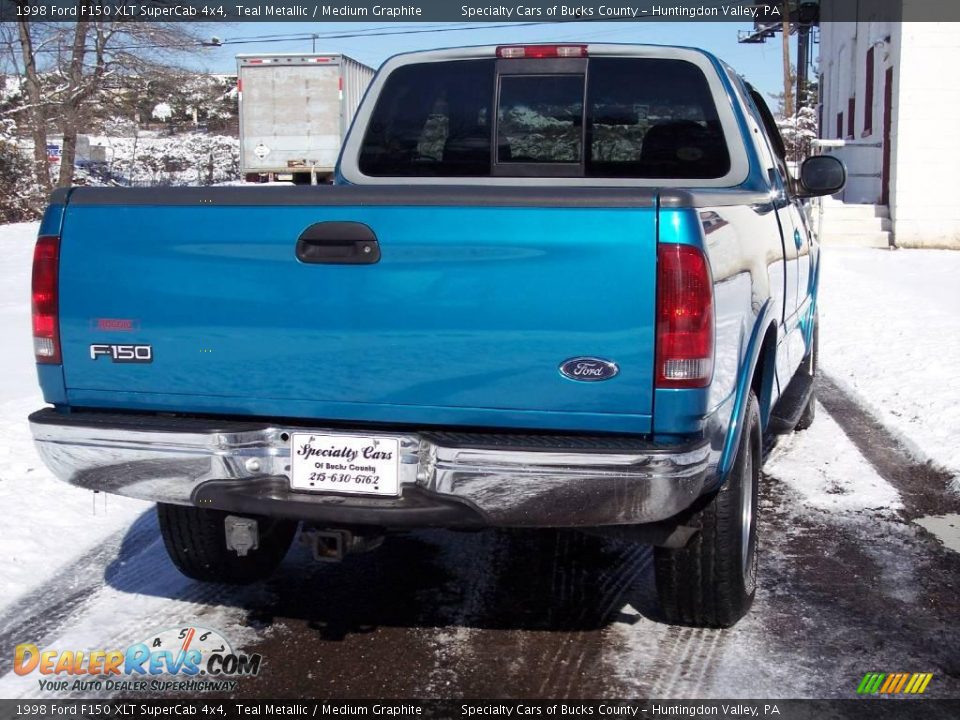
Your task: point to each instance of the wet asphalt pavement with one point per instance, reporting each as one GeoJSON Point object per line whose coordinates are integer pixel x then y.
{"type": "Point", "coordinates": [558, 614]}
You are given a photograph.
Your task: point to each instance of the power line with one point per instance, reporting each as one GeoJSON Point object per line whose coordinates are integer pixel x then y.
{"type": "Point", "coordinates": [393, 26]}
{"type": "Point", "coordinates": [296, 37]}
{"type": "Point", "coordinates": [247, 40]}
{"type": "Point", "coordinates": [367, 33]}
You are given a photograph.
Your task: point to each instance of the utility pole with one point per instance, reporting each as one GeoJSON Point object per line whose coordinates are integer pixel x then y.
{"type": "Point", "coordinates": [803, 20]}
{"type": "Point", "coordinates": [803, 62]}
{"type": "Point", "coordinates": [787, 85]}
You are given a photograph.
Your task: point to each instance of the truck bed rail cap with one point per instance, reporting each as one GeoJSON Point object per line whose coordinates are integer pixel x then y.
{"type": "Point", "coordinates": [347, 195]}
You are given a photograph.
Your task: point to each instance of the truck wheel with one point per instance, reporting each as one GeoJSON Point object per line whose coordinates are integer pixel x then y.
{"type": "Point", "coordinates": [810, 366]}
{"type": "Point", "coordinates": [195, 539]}
{"type": "Point", "coordinates": [711, 582]}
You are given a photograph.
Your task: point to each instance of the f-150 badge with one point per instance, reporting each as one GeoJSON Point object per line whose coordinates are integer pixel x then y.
{"type": "Point", "coordinates": [123, 353]}
{"type": "Point", "coordinates": [588, 369]}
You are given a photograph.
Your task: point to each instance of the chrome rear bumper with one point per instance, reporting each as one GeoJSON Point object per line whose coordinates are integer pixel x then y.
{"type": "Point", "coordinates": [494, 479]}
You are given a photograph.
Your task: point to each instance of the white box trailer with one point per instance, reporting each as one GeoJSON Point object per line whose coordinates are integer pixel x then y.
{"type": "Point", "coordinates": [294, 113]}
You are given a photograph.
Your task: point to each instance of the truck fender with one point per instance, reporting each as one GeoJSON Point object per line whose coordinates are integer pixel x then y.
{"type": "Point", "coordinates": [763, 323]}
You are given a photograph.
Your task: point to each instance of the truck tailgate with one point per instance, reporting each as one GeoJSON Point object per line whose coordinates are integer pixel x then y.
{"type": "Point", "coordinates": [465, 319]}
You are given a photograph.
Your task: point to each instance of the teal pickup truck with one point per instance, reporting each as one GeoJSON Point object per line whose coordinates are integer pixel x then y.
{"type": "Point", "coordinates": [553, 286]}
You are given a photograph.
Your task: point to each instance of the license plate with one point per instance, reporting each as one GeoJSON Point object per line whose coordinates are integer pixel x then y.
{"type": "Point", "coordinates": [345, 464]}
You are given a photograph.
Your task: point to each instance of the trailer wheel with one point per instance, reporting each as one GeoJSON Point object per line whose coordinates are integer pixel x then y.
{"type": "Point", "coordinates": [195, 539]}
{"type": "Point", "coordinates": [712, 581]}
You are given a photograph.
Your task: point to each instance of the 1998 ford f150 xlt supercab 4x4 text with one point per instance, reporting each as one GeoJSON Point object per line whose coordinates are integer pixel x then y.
{"type": "Point", "coordinates": [554, 286]}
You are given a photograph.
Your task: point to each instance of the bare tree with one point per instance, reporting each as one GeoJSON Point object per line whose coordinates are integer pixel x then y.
{"type": "Point", "coordinates": [36, 107]}
{"type": "Point", "coordinates": [83, 81]}
{"type": "Point", "coordinates": [104, 49]}
{"type": "Point", "coordinates": [81, 58]}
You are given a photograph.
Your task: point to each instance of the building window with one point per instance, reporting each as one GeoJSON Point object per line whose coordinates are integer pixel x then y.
{"type": "Point", "coordinates": [868, 96]}
{"type": "Point", "coordinates": [851, 115]}
{"type": "Point", "coordinates": [839, 125]}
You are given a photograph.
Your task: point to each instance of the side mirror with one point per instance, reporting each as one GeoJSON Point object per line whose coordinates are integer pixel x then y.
{"type": "Point", "coordinates": [821, 175]}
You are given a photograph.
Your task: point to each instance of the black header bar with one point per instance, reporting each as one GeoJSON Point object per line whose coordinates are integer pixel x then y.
{"type": "Point", "coordinates": [202, 709]}
{"type": "Point", "coordinates": [500, 11]}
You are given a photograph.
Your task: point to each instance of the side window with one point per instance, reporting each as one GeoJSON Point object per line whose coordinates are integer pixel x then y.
{"type": "Point", "coordinates": [758, 137]}
{"type": "Point", "coordinates": [773, 135]}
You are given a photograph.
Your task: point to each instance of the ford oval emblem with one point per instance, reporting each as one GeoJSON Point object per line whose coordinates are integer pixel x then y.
{"type": "Point", "coordinates": [588, 369]}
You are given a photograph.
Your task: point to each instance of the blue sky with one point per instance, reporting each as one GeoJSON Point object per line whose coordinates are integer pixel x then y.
{"type": "Point", "coordinates": [761, 64]}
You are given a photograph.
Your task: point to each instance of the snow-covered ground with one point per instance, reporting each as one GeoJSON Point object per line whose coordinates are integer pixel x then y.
{"type": "Point", "coordinates": [828, 473]}
{"type": "Point", "coordinates": [890, 332]}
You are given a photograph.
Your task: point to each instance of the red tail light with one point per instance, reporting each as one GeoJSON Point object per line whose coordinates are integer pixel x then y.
{"type": "Point", "coordinates": [541, 51]}
{"type": "Point", "coordinates": [46, 321]}
{"type": "Point", "coordinates": [684, 318]}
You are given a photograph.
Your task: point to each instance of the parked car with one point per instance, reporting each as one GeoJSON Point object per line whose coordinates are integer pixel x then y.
{"type": "Point", "coordinates": [563, 286]}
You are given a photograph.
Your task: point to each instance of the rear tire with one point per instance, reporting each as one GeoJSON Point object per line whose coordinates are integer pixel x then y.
{"type": "Point", "coordinates": [195, 539]}
{"type": "Point", "coordinates": [712, 581]}
{"type": "Point", "coordinates": [809, 366]}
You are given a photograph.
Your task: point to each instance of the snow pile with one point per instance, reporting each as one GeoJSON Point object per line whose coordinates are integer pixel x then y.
{"type": "Point", "coordinates": [827, 471]}
{"type": "Point", "coordinates": [890, 332]}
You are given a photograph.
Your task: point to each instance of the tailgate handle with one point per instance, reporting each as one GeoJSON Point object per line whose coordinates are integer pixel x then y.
{"type": "Point", "coordinates": [338, 243]}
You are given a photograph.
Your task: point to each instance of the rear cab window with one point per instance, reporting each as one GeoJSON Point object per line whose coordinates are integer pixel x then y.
{"type": "Point", "coordinates": [597, 117]}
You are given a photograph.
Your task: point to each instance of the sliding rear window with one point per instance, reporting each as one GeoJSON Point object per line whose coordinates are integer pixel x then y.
{"type": "Point", "coordinates": [432, 119]}
{"type": "Point", "coordinates": [617, 118]}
